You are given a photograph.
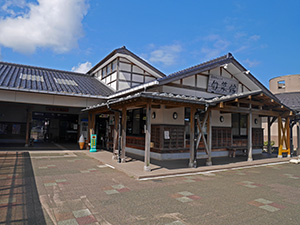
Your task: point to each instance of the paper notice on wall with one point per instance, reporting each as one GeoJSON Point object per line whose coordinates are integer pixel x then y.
{"type": "Point", "coordinates": [166, 134]}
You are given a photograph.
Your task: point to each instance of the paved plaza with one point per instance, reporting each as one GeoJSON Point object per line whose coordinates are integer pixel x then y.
{"type": "Point", "coordinates": [71, 187]}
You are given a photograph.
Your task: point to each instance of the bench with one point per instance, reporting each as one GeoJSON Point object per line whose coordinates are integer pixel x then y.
{"type": "Point", "coordinates": [232, 150]}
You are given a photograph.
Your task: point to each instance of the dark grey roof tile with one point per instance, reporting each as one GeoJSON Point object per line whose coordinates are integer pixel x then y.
{"type": "Point", "coordinates": [29, 78]}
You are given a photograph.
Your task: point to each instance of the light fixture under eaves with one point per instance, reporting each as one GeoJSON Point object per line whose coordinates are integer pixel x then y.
{"type": "Point", "coordinates": [247, 72]}
{"type": "Point", "coordinates": [225, 66]}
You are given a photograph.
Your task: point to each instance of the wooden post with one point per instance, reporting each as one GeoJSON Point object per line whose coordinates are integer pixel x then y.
{"type": "Point", "coordinates": [192, 137]}
{"type": "Point", "coordinates": [124, 123]}
{"type": "Point", "coordinates": [250, 158]}
{"type": "Point", "coordinates": [91, 125]}
{"type": "Point", "coordinates": [269, 135]}
{"type": "Point", "coordinates": [148, 138]}
{"type": "Point", "coordinates": [298, 139]}
{"type": "Point", "coordinates": [288, 136]}
{"type": "Point", "coordinates": [209, 137]}
{"type": "Point", "coordinates": [28, 128]}
{"type": "Point", "coordinates": [279, 138]}
{"type": "Point", "coordinates": [116, 134]}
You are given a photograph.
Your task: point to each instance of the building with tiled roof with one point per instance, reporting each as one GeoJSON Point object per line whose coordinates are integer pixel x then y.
{"type": "Point", "coordinates": [208, 110]}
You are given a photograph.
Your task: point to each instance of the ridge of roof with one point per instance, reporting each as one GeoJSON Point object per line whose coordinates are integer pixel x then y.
{"type": "Point", "coordinates": [288, 93]}
{"type": "Point", "coordinates": [171, 76]}
{"type": "Point", "coordinates": [125, 51]}
{"type": "Point", "coordinates": [44, 68]}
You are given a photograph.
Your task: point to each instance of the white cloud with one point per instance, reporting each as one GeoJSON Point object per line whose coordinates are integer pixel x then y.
{"type": "Point", "coordinates": [214, 46]}
{"type": "Point", "coordinates": [251, 63]}
{"type": "Point", "coordinates": [254, 37]}
{"type": "Point", "coordinates": [166, 54]}
{"type": "Point", "coordinates": [82, 67]}
{"type": "Point", "coordinates": [54, 24]}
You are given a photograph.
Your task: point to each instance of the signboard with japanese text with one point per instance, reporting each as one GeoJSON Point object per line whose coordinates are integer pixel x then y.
{"type": "Point", "coordinates": [222, 85]}
{"type": "Point", "coordinates": [93, 143]}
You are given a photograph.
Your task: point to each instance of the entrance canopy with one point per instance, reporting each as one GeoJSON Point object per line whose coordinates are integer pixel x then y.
{"type": "Point", "coordinates": [256, 101]}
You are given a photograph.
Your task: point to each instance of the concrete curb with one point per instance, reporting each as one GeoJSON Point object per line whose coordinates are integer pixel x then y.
{"type": "Point", "coordinates": [135, 169]}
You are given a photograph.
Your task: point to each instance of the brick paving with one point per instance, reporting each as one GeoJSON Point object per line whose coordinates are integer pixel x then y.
{"type": "Point", "coordinates": [74, 188]}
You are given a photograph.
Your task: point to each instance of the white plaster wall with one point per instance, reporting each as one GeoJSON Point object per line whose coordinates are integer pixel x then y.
{"type": "Point", "coordinates": [125, 66]}
{"type": "Point", "coordinates": [165, 116]}
{"type": "Point", "coordinates": [258, 125]}
{"type": "Point", "coordinates": [136, 69]}
{"type": "Point", "coordinates": [147, 79]}
{"type": "Point", "coordinates": [202, 81]}
{"type": "Point", "coordinates": [216, 119]}
{"type": "Point", "coordinates": [45, 99]}
{"type": "Point", "coordinates": [189, 81]}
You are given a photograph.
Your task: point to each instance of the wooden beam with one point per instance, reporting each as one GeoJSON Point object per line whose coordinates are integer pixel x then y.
{"type": "Point", "coordinates": [249, 102]}
{"type": "Point", "coordinates": [91, 125]}
{"type": "Point", "coordinates": [201, 132]}
{"type": "Point", "coordinates": [279, 137]}
{"type": "Point", "coordinates": [234, 109]}
{"type": "Point", "coordinates": [269, 135]}
{"type": "Point", "coordinates": [147, 138]}
{"type": "Point", "coordinates": [221, 105]}
{"type": "Point", "coordinates": [192, 136]}
{"type": "Point", "coordinates": [250, 158]}
{"type": "Point", "coordinates": [209, 137]}
{"type": "Point", "coordinates": [116, 136]}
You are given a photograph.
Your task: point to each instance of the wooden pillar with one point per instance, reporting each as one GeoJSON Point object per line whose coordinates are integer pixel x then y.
{"type": "Point", "coordinates": [27, 142]}
{"type": "Point", "coordinates": [298, 139]}
{"type": "Point", "coordinates": [280, 143]}
{"type": "Point", "coordinates": [209, 137]}
{"type": "Point", "coordinates": [91, 125]}
{"type": "Point", "coordinates": [192, 137]}
{"type": "Point", "coordinates": [269, 135]}
{"type": "Point", "coordinates": [250, 158]}
{"type": "Point", "coordinates": [124, 123]}
{"type": "Point", "coordinates": [116, 135]}
{"type": "Point", "coordinates": [288, 137]}
{"type": "Point", "coordinates": [147, 138]}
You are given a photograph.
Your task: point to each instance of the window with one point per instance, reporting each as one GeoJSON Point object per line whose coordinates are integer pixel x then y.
{"type": "Point", "coordinates": [114, 65]}
{"type": "Point", "coordinates": [281, 84]}
{"type": "Point", "coordinates": [103, 72]}
{"type": "Point", "coordinates": [239, 125]}
{"type": "Point", "coordinates": [136, 119]}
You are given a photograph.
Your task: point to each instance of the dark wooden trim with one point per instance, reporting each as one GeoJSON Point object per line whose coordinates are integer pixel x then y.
{"type": "Point", "coordinates": [118, 72]}
{"type": "Point", "coordinates": [135, 73]}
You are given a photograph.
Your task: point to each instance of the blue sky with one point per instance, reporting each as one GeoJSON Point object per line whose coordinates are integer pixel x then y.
{"type": "Point", "coordinates": [264, 36]}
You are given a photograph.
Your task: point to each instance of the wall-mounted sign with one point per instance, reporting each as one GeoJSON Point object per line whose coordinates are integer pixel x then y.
{"type": "Point", "coordinates": [222, 85]}
{"type": "Point", "coordinates": [166, 135]}
{"type": "Point", "coordinates": [57, 109]}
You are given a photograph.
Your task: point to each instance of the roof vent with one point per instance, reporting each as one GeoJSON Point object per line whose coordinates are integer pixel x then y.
{"type": "Point", "coordinates": [37, 78]}
{"type": "Point", "coordinates": [65, 82]}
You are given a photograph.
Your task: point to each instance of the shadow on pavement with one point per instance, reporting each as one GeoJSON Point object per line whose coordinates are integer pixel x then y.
{"type": "Point", "coordinates": [183, 163]}
{"type": "Point", "coordinates": [40, 146]}
{"type": "Point", "coordinates": [19, 199]}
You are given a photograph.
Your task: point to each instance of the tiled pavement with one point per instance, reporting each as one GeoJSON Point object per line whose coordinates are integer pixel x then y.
{"type": "Point", "coordinates": [72, 188]}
